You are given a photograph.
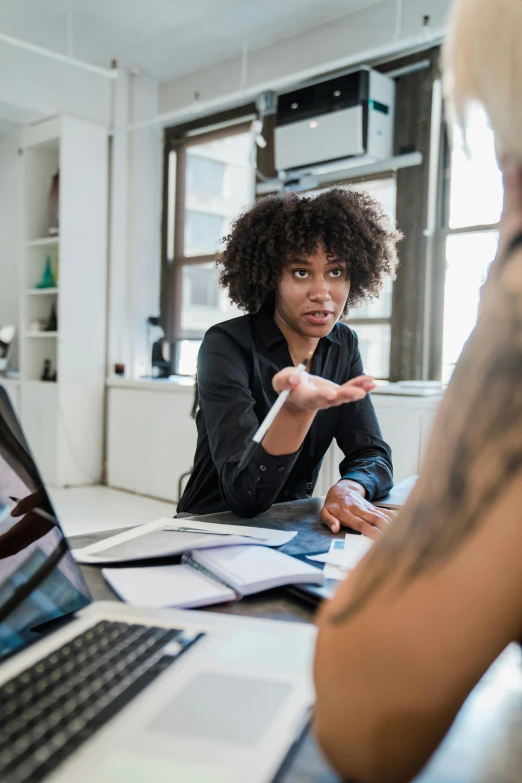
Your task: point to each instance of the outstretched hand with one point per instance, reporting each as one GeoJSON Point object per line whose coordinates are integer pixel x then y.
{"type": "Point", "coordinates": [313, 393]}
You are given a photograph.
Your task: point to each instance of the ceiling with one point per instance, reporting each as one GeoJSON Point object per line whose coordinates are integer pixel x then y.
{"type": "Point", "coordinates": [166, 38]}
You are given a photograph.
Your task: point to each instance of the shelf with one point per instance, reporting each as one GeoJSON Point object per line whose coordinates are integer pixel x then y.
{"type": "Point", "coordinates": [310, 177]}
{"type": "Point", "coordinates": [41, 291]}
{"type": "Point", "coordinates": [43, 241]}
{"type": "Point", "coordinates": [37, 382]}
{"type": "Point", "coordinates": [41, 334]}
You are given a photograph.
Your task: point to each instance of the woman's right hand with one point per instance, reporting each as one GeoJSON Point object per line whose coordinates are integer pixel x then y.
{"type": "Point", "coordinates": [313, 393]}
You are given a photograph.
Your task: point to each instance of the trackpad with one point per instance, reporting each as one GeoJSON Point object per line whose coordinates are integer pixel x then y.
{"type": "Point", "coordinates": [221, 707]}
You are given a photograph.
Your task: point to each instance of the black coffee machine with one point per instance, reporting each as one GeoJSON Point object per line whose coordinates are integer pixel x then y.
{"type": "Point", "coordinates": [159, 348]}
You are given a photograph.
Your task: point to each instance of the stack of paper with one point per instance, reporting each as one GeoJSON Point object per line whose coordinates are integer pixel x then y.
{"type": "Point", "coordinates": [343, 556]}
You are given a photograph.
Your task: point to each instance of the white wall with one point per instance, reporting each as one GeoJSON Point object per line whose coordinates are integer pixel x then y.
{"type": "Point", "coordinates": [40, 87]}
{"type": "Point", "coordinates": [136, 225]}
{"type": "Point", "coordinates": [354, 39]}
{"type": "Point", "coordinates": [10, 229]}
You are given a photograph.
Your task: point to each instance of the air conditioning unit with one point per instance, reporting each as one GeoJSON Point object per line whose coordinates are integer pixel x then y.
{"type": "Point", "coordinates": [347, 118]}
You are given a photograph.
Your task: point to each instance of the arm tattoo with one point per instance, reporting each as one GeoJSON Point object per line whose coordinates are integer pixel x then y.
{"type": "Point", "coordinates": [475, 450]}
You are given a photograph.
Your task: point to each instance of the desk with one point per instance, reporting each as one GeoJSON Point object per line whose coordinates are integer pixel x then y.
{"type": "Point", "coordinates": [485, 743]}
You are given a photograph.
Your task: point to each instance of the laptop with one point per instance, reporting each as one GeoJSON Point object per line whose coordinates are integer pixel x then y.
{"type": "Point", "coordinates": [104, 692]}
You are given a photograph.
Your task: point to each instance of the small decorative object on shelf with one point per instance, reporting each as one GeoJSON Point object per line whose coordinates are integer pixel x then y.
{"type": "Point", "coordinates": [119, 369]}
{"type": "Point", "coordinates": [54, 206]}
{"type": "Point", "coordinates": [47, 374]}
{"type": "Point", "coordinates": [38, 325]}
{"type": "Point", "coordinates": [52, 323]}
{"type": "Point", "coordinates": [48, 279]}
{"type": "Point", "coordinates": [159, 348]}
{"type": "Point", "coordinates": [55, 265]}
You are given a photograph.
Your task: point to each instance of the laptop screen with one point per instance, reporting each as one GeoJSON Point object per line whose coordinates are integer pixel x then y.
{"type": "Point", "coordinates": [39, 579]}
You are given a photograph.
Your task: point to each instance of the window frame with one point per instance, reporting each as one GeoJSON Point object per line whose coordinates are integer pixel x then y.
{"type": "Point", "coordinates": [442, 232]}
{"type": "Point", "coordinates": [177, 141]}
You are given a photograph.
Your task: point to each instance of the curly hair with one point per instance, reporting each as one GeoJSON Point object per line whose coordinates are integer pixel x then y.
{"type": "Point", "coordinates": [350, 225]}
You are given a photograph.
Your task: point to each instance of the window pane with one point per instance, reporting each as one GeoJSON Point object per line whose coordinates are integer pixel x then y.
{"type": "Point", "coordinates": [220, 183]}
{"type": "Point", "coordinates": [203, 232]}
{"type": "Point", "coordinates": [187, 356]}
{"type": "Point", "coordinates": [385, 192]}
{"type": "Point", "coordinates": [171, 204]}
{"type": "Point", "coordinates": [204, 176]}
{"type": "Point", "coordinates": [377, 308]}
{"type": "Point", "coordinates": [476, 183]}
{"type": "Point", "coordinates": [204, 303]}
{"type": "Point", "coordinates": [382, 190]}
{"type": "Point", "coordinates": [468, 258]}
{"type": "Point", "coordinates": [374, 344]}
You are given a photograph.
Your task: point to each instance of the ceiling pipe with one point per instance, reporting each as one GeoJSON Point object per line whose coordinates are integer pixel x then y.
{"type": "Point", "coordinates": [61, 58]}
{"type": "Point", "coordinates": [70, 45]}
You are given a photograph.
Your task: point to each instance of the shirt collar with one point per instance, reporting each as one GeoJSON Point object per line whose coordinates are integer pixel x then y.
{"type": "Point", "coordinates": [271, 334]}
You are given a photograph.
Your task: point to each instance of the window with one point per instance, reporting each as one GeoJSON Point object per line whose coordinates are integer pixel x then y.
{"type": "Point", "coordinates": [372, 320]}
{"type": "Point", "coordinates": [203, 233]}
{"type": "Point", "coordinates": [204, 175]}
{"type": "Point", "coordinates": [470, 235]}
{"type": "Point", "coordinates": [210, 181]}
{"type": "Point", "coordinates": [468, 258]}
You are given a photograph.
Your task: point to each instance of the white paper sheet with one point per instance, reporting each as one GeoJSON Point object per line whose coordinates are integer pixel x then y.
{"type": "Point", "coordinates": [167, 537]}
{"type": "Point", "coordinates": [343, 556]}
{"type": "Point", "coordinates": [166, 586]}
{"type": "Point", "coordinates": [267, 536]}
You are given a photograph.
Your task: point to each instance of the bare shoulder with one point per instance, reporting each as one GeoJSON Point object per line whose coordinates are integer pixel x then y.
{"type": "Point", "coordinates": [475, 454]}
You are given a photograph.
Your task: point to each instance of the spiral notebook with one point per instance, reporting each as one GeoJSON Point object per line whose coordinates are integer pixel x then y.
{"type": "Point", "coordinates": [210, 576]}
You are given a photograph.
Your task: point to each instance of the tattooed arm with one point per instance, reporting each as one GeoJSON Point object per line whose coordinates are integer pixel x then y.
{"type": "Point", "coordinates": [440, 595]}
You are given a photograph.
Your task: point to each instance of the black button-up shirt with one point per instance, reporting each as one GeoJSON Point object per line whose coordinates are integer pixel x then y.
{"type": "Point", "coordinates": [237, 361]}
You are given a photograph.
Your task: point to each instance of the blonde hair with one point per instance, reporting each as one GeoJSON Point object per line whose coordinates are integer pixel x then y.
{"type": "Point", "coordinates": [483, 62]}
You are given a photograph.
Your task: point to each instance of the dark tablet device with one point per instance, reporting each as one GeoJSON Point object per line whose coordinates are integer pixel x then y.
{"type": "Point", "coordinates": [314, 594]}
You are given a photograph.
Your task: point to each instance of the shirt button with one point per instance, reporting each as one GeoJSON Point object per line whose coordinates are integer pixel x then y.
{"type": "Point", "coordinates": [287, 492]}
{"type": "Point", "coordinates": [262, 467]}
{"type": "Point", "coordinates": [280, 468]}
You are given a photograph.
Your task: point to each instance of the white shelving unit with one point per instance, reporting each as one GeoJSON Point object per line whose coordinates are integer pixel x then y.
{"type": "Point", "coordinates": [63, 420]}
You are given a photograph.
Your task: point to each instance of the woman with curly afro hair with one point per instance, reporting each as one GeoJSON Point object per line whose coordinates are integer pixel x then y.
{"type": "Point", "coordinates": [295, 264]}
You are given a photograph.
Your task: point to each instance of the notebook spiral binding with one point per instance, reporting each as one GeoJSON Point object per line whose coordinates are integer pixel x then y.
{"type": "Point", "coordinates": [187, 559]}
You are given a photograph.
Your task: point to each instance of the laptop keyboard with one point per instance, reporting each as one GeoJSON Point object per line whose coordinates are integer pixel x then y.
{"type": "Point", "coordinates": [48, 710]}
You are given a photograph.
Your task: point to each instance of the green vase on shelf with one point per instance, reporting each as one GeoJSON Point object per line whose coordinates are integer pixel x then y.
{"type": "Point", "coordinates": [47, 280]}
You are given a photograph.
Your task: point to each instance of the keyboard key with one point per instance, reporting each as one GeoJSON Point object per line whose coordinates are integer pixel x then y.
{"type": "Point", "coordinates": [50, 709]}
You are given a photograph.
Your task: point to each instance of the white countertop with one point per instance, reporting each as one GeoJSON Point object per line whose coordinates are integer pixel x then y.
{"type": "Point", "coordinates": [175, 383]}
{"type": "Point", "coordinates": [182, 383]}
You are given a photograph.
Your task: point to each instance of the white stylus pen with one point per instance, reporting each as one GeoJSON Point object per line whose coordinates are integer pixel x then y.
{"type": "Point", "coordinates": [272, 413]}
{"type": "Point", "coordinates": [278, 404]}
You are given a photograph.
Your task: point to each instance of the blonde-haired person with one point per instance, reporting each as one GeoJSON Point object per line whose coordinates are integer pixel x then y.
{"type": "Point", "coordinates": [439, 596]}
